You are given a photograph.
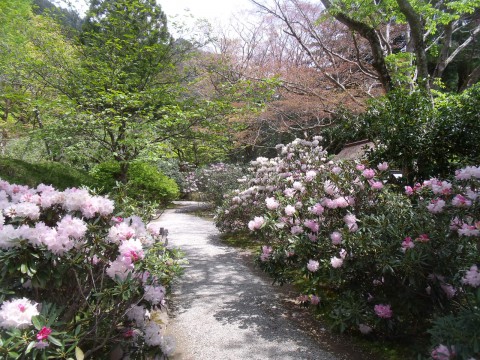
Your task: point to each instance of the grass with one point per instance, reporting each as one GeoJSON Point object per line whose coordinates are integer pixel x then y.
{"type": "Point", "coordinates": [241, 241]}
{"type": "Point", "coordinates": [59, 175]}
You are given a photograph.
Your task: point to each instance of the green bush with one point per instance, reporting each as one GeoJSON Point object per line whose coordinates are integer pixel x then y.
{"type": "Point", "coordinates": [375, 261]}
{"type": "Point", "coordinates": [144, 181]}
{"type": "Point", "coordinates": [422, 138]}
{"type": "Point", "coordinates": [59, 175]}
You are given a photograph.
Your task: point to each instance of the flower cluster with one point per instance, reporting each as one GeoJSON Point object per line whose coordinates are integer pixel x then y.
{"type": "Point", "coordinates": [339, 230]}
{"type": "Point", "coordinates": [56, 246]}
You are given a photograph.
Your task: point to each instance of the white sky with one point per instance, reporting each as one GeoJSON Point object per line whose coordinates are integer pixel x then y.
{"type": "Point", "coordinates": [212, 10]}
{"type": "Point", "coordinates": [208, 9]}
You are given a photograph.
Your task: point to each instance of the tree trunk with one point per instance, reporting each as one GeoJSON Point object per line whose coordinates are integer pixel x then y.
{"type": "Point", "coordinates": [416, 30]}
{"type": "Point", "coordinates": [371, 35]}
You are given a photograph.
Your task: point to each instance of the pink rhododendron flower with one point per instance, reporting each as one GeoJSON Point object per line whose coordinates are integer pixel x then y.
{"type": "Point", "coordinates": [153, 333]}
{"type": "Point", "coordinates": [154, 294]}
{"type": "Point", "coordinates": [422, 238]}
{"type": "Point", "coordinates": [341, 202]}
{"type": "Point", "coordinates": [336, 170]}
{"type": "Point", "coordinates": [290, 210]}
{"type": "Point", "coordinates": [118, 268]}
{"type": "Point", "coordinates": [136, 313]}
{"type": "Point", "coordinates": [289, 192]}
{"type": "Point", "coordinates": [24, 210]}
{"type": "Point", "coordinates": [329, 203]}
{"type": "Point", "coordinates": [442, 352]}
{"type": "Point", "coordinates": [407, 244]}
{"type": "Point", "coordinates": [266, 251]}
{"type": "Point", "coordinates": [455, 224]}
{"type": "Point", "coordinates": [330, 187]}
{"type": "Point", "coordinates": [439, 187]}
{"type": "Point", "coordinates": [364, 329]}
{"type": "Point", "coordinates": [461, 201]}
{"type": "Point", "coordinates": [272, 204]}
{"type": "Point", "coordinates": [317, 209]}
{"type": "Point", "coordinates": [297, 185]}
{"type": "Point", "coordinates": [336, 238]}
{"type": "Point", "coordinates": [468, 173]}
{"type": "Point", "coordinates": [472, 277]}
{"type": "Point", "coordinates": [376, 185]}
{"type": "Point", "coordinates": [336, 262]}
{"type": "Point", "coordinates": [312, 237]}
{"type": "Point", "coordinates": [70, 226]}
{"type": "Point", "coordinates": [17, 313]}
{"type": "Point", "coordinates": [383, 311]}
{"type": "Point", "coordinates": [360, 167]}
{"type": "Point", "coordinates": [349, 219]}
{"type": "Point", "coordinates": [117, 219]}
{"type": "Point", "coordinates": [312, 225]}
{"type": "Point", "coordinates": [382, 166]}
{"type": "Point", "coordinates": [409, 190]}
{"type": "Point", "coordinates": [468, 230]}
{"type": "Point", "coordinates": [256, 223]}
{"type": "Point", "coordinates": [303, 298]}
{"type": "Point", "coordinates": [310, 175]}
{"type": "Point", "coordinates": [120, 232]}
{"type": "Point", "coordinates": [313, 265]}
{"type": "Point", "coordinates": [41, 345]}
{"type": "Point", "coordinates": [43, 333]}
{"type": "Point", "coordinates": [368, 173]}
{"type": "Point", "coordinates": [295, 230]}
{"type": "Point", "coordinates": [436, 206]}
{"type": "Point", "coordinates": [449, 290]}
{"type": "Point", "coordinates": [132, 249]}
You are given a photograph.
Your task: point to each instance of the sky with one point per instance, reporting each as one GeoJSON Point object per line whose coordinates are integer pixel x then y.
{"type": "Point", "coordinates": [212, 10]}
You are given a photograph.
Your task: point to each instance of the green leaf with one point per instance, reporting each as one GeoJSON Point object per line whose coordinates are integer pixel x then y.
{"type": "Point", "coordinates": [79, 353]}
{"type": "Point", "coordinates": [36, 322]}
{"type": "Point", "coordinates": [77, 330]}
{"type": "Point", "coordinates": [55, 341]}
{"type": "Point", "coordinates": [30, 347]}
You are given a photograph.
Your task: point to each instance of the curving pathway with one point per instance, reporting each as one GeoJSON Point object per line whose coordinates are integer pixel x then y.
{"type": "Point", "coordinates": [225, 310]}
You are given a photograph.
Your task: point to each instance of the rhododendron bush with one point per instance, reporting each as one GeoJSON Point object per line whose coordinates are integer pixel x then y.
{"type": "Point", "coordinates": [211, 182]}
{"type": "Point", "coordinates": [76, 280]}
{"type": "Point", "coordinates": [377, 260]}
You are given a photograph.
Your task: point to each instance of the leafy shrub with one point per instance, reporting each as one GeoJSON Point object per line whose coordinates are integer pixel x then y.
{"type": "Point", "coordinates": [144, 182]}
{"type": "Point", "coordinates": [215, 180]}
{"type": "Point", "coordinates": [374, 260]}
{"type": "Point", "coordinates": [59, 175]}
{"type": "Point", "coordinates": [421, 138]}
{"type": "Point", "coordinates": [76, 278]}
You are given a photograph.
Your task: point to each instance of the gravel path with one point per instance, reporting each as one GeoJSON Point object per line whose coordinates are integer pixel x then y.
{"type": "Point", "coordinates": [224, 309]}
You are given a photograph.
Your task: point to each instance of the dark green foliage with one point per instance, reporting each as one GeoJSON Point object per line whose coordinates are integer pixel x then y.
{"type": "Point", "coordinates": [68, 18]}
{"type": "Point", "coordinates": [144, 181]}
{"type": "Point", "coordinates": [420, 137]}
{"type": "Point", "coordinates": [461, 330]}
{"type": "Point", "coordinates": [217, 180]}
{"type": "Point", "coordinates": [59, 175]}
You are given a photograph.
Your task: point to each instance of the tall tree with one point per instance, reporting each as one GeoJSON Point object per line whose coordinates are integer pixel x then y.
{"type": "Point", "coordinates": [428, 35]}
{"type": "Point", "coordinates": [130, 87]}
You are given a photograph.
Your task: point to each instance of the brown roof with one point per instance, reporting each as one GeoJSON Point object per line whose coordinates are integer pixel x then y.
{"type": "Point", "coordinates": [354, 150]}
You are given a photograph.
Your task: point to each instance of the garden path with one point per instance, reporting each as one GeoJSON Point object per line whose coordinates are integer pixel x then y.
{"type": "Point", "coordinates": [225, 309]}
